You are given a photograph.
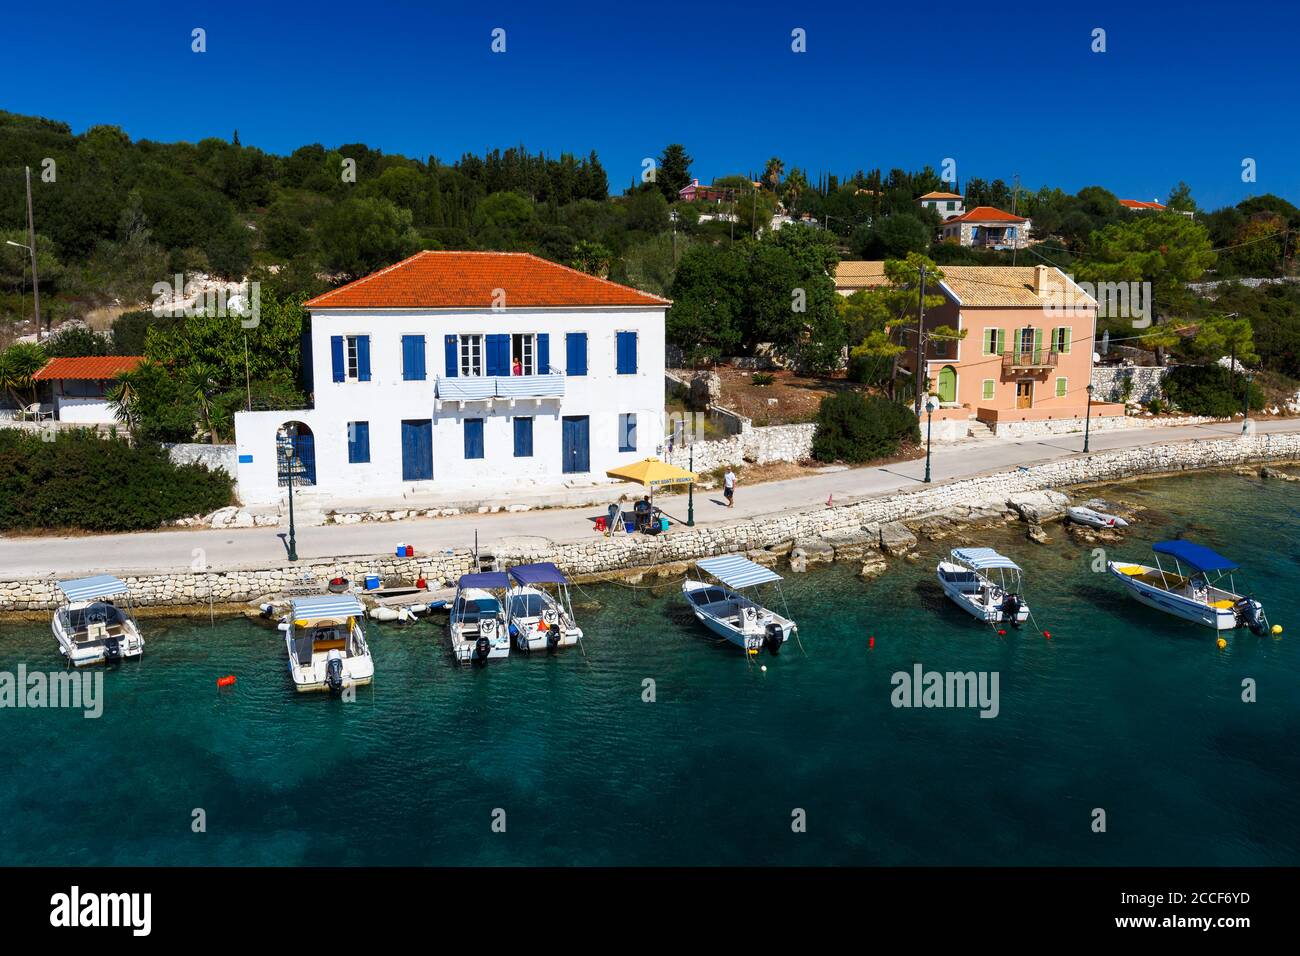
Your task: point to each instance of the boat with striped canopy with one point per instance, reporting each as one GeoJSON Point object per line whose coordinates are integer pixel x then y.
{"type": "Point", "coordinates": [1197, 594]}
{"type": "Point", "coordinates": [326, 640]}
{"type": "Point", "coordinates": [984, 584]}
{"type": "Point", "coordinates": [728, 611]}
{"type": "Point", "coordinates": [92, 628]}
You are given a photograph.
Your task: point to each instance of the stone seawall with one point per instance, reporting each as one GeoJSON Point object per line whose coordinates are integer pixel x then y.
{"type": "Point", "coordinates": [596, 555]}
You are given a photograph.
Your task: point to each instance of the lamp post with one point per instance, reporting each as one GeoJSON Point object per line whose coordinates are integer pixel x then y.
{"type": "Point", "coordinates": [930, 405]}
{"type": "Point", "coordinates": [1245, 405]}
{"type": "Point", "coordinates": [690, 490]}
{"type": "Point", "coordinates": [293, 456]}
{"type": "Point", "coordinates": [1087, 420]}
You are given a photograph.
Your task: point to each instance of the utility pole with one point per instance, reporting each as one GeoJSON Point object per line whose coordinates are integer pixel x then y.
{"type": "Point", "coordinates": [1015, 203]}
{"type": "Point", "coordinates": [31, 243]}
{"type": "Point", "coordinates": [917, 375]}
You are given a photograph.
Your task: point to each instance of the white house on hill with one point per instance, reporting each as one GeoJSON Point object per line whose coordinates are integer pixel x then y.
{"type": "Point", "coordinates": [477, 372]}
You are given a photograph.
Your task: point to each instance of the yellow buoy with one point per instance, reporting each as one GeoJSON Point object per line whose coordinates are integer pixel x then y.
{"type": "Point", "coordinates": [1222, 643]}
{"type": "Point", "coordinates": [1277, 628]}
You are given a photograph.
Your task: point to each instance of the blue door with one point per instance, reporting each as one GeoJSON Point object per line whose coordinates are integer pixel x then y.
{"type": "Point", "coordinates": [577, 444]}
{"type": "Point", "coordinates": [417, 450]}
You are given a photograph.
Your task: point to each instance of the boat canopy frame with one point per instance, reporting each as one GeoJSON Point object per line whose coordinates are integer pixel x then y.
{"type": "Point", "coordinates": [538, 576]}
{"type": "Point", "coordinates": [1197, 557]}
{"type": "Point", "coordinates": [980, 560]}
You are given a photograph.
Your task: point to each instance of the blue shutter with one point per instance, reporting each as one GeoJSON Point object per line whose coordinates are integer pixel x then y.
{"type": "Point", "coordinates": [363, 358]}
{"type": "Point", "coordinates": [336, 354]}
{"type": "Point", "coordinates": [575, 345]}
{"type": "Point", "coordinates": [523, 437]}
{"type": "Point", "coordinates": [626, 353]}
{"type": "Point", "coordinates": [473, 438]}
{"type": "Point", "coordinates": [498, 355]}
{"type": "Point", "coordinates": [451, 356]}
{"type": "Point", "coordinates": [543, 353]}
{"type": "Point", "coordinates": [358, 442]}
{"type": "Point", "coordinates": [413, 358]}
{"type": "Point", "coordinates": [627, 432]}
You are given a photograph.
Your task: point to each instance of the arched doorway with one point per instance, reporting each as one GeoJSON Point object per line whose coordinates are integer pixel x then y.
{"type": "Point", "coordinates": [947, 389]}
{"type": "Point", "coordinates": [295, 453]}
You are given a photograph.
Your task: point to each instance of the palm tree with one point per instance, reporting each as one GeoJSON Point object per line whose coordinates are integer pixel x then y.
{"type": "Point", "coordinates": [124, 393]}
{"type": "Point", "coordinates": [18, 364]}
{"type": "Point", "coordinates": [200, 379]}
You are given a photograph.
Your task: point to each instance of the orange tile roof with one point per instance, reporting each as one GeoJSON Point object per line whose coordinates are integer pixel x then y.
{"type": "Point", "coordinates": [449, 280]}
{"type": "Point", "coordinates": [942, 196]}
{"type": "Point", "coordinates": [88, 367]}
{"type": "Point", "coordinates": [1141, 204]}
{"type": "Point", "coordinates": [985, 214]}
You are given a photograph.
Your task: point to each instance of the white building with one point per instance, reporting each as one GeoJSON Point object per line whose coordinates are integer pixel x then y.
{"type": "Point", "coordinates": [483, 373]}
{"type": "Point", "coordinates": [946, 205]}
{"type": "Point", "coordinates": [79, 386]}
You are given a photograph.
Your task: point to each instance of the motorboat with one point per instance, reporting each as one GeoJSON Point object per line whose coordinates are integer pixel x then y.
{"type": "Point", "coordinates": [91, 628]}
{"type": "Point", "coordinates": [477, 622]}
{"type": "Point", "coordinates": [326, 640]}
{"type": "Point", "coordinates": [1094, 519]}
{"type": "Point", "coordinates": [727, 610]}
{"type": "Point", "coordinates": [1197, 594]}
{"type": "Point", "coordinates": [539, 610]}
{"type": "Point", "coordinates": [968, 578]}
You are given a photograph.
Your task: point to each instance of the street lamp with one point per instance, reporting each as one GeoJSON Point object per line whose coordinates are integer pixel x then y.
{"type": "Point", "coordinates": [1245, 405]}
{"type": "Point", "coordinates": [690, 490]}
{"type": "Point", "coordinates": [1087, 419]}
{"type": "Point", "coordinates": [293, 456]}
{"type": "Point", "coordinates": [931, 404]}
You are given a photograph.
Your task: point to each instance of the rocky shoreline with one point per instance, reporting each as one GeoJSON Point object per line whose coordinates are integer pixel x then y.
{"type": "Point", "coordinates": [870, 531]}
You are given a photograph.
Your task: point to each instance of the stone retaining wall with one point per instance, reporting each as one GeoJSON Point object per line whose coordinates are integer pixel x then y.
{"type": "Point", "coordinates": [216, 457]}
{"type": "Point", "coordinates": [599, 554]}
{"type": "Point", "coordinates": [1108, 382]}
{"type": "Point", "coordinates": [758, 446]}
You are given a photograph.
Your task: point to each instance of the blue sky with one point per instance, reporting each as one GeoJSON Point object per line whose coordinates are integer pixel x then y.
{"type": "Point", "coordinates": [1182, 92]}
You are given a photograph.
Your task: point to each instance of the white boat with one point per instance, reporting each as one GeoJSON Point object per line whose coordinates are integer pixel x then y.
{"type": "Point", "coordinates": [477, 623]}
{"type": "Point", "coordinates": [326, 641]}
{"type": "Point", "coordinates": [966, 579]}
{"type": "Point", "coordinates": [1095, 519]}
{"type": "Point", "coordinates": [91, 628]}
{"type": "Point", "coordinates": [728, 612]}
{"type": "Point", "coordinates": [539, 611]}
{"type": "Point", "coordinates": [1198, 594]}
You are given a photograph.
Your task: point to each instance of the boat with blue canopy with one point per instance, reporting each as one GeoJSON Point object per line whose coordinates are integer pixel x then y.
{"type": "Point", "coordinates": [92, 627]}
{"type": "Point", "coordinates": [477, 622]}
{"type": "Point", "coordinates": [1194, 589]}
{"type": "Point", "coordinates": [326, 640]}
{"type": "Point", "coordinates": [985, 584]}
{"type": "Point", "coordinates": [539, 610]}
{"type": "Point", "coordinates": [728, 611]}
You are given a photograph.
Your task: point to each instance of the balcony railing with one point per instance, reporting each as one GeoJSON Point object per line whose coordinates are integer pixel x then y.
{"type": "Point", "coordinates": [483, 388]}
{"type": "Point", "coordinates": [1029, 359]}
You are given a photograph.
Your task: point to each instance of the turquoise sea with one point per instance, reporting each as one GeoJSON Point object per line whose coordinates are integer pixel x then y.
{"type": "Point", "coordinates": [1122, 709]}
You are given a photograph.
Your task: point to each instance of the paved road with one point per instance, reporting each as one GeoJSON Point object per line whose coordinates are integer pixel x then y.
{"type": "Point", "coordinates": [265, 547]}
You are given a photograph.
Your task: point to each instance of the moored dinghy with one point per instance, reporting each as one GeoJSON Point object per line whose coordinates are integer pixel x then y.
{"type": "Point", "coordinates": [1197, 596]}
{"type": "Point", "coordinates": [91, 628]}
{"type": "Point", "coordinates": [477, 623]}
{"type": "Point", "coordinates": [327, 643]}
{"type": "Point", "coordinates": [967, 579]}
{"type": "Point", "coordinates": [731, 614]}
{"type": "Point", "coordinates": [539, 611]}
{"type": "Point", "coordinates": [1094, 519]}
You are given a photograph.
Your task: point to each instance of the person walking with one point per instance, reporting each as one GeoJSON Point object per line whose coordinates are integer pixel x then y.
{"type": "Point", "coordinates": [729, 486]}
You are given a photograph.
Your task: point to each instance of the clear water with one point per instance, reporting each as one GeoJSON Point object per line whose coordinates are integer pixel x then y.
{"type": "Point", "coordinates": [1122, 709]}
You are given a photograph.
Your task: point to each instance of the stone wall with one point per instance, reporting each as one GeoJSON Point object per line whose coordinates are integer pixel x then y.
{"type": "Point", "coordinates": [758, 446]}
{"type": "Point", "coordinates": [598, 554]}
{"type": "Point", "coordinates": [216, 457]}
{"type": "Point", "coordinates": [1108, 382]}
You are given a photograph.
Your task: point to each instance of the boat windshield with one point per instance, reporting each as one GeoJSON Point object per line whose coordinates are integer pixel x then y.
{"type": "Point", "coordinates": [97, 612]}
{"type": "Point", "coordinates": [527, 605]}
{"type": "Point", "coordinates": [476, 608]}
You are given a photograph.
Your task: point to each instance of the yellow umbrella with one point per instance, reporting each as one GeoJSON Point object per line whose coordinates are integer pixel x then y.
{"type": "Point", "coordinates": [653, 473]}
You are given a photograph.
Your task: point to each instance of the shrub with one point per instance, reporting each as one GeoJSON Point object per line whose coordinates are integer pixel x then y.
{"type": "Point", "coordinates": [1209, 390]}
{"type": "Point", "coordinates": [82, 480]}
{"type": "Point", "coordinates": [856, 428]}
{"type": "Point", "coordinates": [74, 339]}
{"type": "Point", "coordinates": [763, 378]}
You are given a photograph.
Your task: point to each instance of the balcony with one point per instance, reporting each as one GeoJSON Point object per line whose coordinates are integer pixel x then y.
{"type": "Point", "coordinates": [487, 388]}
{"type": "Point", "coordinates": [1029, 360]}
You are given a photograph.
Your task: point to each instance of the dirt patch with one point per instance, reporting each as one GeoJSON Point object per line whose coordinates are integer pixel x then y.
{"type": "Point", "coordinates": [786, 400]}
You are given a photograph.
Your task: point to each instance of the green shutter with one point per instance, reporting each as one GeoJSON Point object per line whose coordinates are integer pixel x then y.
{"type": "Point", "coordinates": [1061, 388]}
{"type": "Point", "coordinates": [1038, 344]}
{"type": "Point", "coordinates": [1065, 339]}
{"type": "Point", "coordinates": [990, 341]}
{"type": "Point", "coordinates": [1002, 341]}
{"type": "Point", "coordinates": [988, 389]}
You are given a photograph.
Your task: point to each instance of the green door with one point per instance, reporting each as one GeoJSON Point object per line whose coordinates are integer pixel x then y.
{"type": "Point", "coordinates": [947, 384]}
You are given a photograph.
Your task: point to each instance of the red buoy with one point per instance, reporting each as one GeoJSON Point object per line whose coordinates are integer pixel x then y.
{"type": "Point", "coordinates": [226, 681]}
{"type": "Point", "coordinates": [1047, 634]}
{"type": "Point", "coordinates": [871, 642]}
{"type": "Point", "coordinates": [1002, 633]}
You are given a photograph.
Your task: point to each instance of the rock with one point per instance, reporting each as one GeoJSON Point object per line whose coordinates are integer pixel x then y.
{"type": "Point", "coordinates": [781, 547]}
{"type": "Point", "coordinates": [706, 389]}
{"type": "Point", "coordinates": [241, 519]}
{"type": "Point", "coordinates": [873, 566]}
{"type": "Point", "coordinates": [896, 539]}
{"type": "Point", "coordinates": [1037, 507]}
{"type": "Point", "coordinates": [798, 561]}
{"type": "Point", "coordinates": [1267, 472]}
{"type": "Point", "coordinates": [1037, 534]}
{"type": "Point", "coordinates": [815, 550]}
{"type": "Point", "coordinates": [935, 529]}
{"type": "Point", "coordinates": [221, 517]}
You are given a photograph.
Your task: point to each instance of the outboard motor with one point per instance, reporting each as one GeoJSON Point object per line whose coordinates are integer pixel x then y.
{"type": "Point", "coordinates": [112, 649]}
{"type": "Point", "coordinates": [334, 672]}
{"type": "Point", "coordinates": [773, 638]}
{"type": "Point", "coordinates": [1250, 613]}
{"type": "Point", "coordinates": [553, 635]}
{"type": "Point", "coordinates": [482, 648]}
{"type": "Point", "coordinates": [487, 630]}
{"type": "Point", "coordinates": [1010, 610]}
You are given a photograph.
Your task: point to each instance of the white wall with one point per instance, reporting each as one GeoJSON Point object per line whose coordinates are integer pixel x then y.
{"type": "Point", "coordinates": [84, 410]}
{"type": "Point", "coordinates": [387, 399]}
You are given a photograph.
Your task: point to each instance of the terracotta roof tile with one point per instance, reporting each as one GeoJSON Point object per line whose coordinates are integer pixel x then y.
{"type": "Point", "coordinates": [449, 280]}
{"type": "Point", "coordinates": [985, 214]}
{"type": "Point", "coordinates": [88, 367]}
{"type": "Point", "coordinates": [1141, 204]}
{"type": "Point", "coordinates": [979, 286]}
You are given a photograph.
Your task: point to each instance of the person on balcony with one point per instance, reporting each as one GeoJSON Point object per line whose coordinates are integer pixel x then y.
{"type": "Point", "coordinates": [517, 368]}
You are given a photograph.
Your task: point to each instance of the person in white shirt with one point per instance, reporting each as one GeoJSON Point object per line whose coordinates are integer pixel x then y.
{"type": "Point", "coordinates": [729, 487]}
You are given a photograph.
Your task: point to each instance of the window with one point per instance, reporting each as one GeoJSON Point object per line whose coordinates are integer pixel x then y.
{"type": "Point", "coordinates": [989, 386]}
{"type": "Point", "coordinates": [626, 352]}
{"type": "Point", "coordinates": [523, 354]}
{"type": "Point", "coordinates": [1027, 339]}
{"type": "Point", "coordinates": [358, 443]}
{"type": "Point", "coordinates": [1061, 387]}
{"type": "Point", "coordinates": [575, 351]}
{"type": "Point", "coordinates": [939, 346]}
{"type": "Point", "coordinates": [471, 355]}
{"type": "Point", "coordinates": [473, 438]}
{"type": "Point", "coordinates": [350, 356]}
{"type": "Point", "coordinates": [523, 437]}
{"type": "Point", "coordinates": [991, 341]}
{"type": "Point", "coordinates": [627, 432]}
{"type": "Point", "coordinates": [413, 358]}
{"type": "Point", "coordinates": [1061, 339]}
